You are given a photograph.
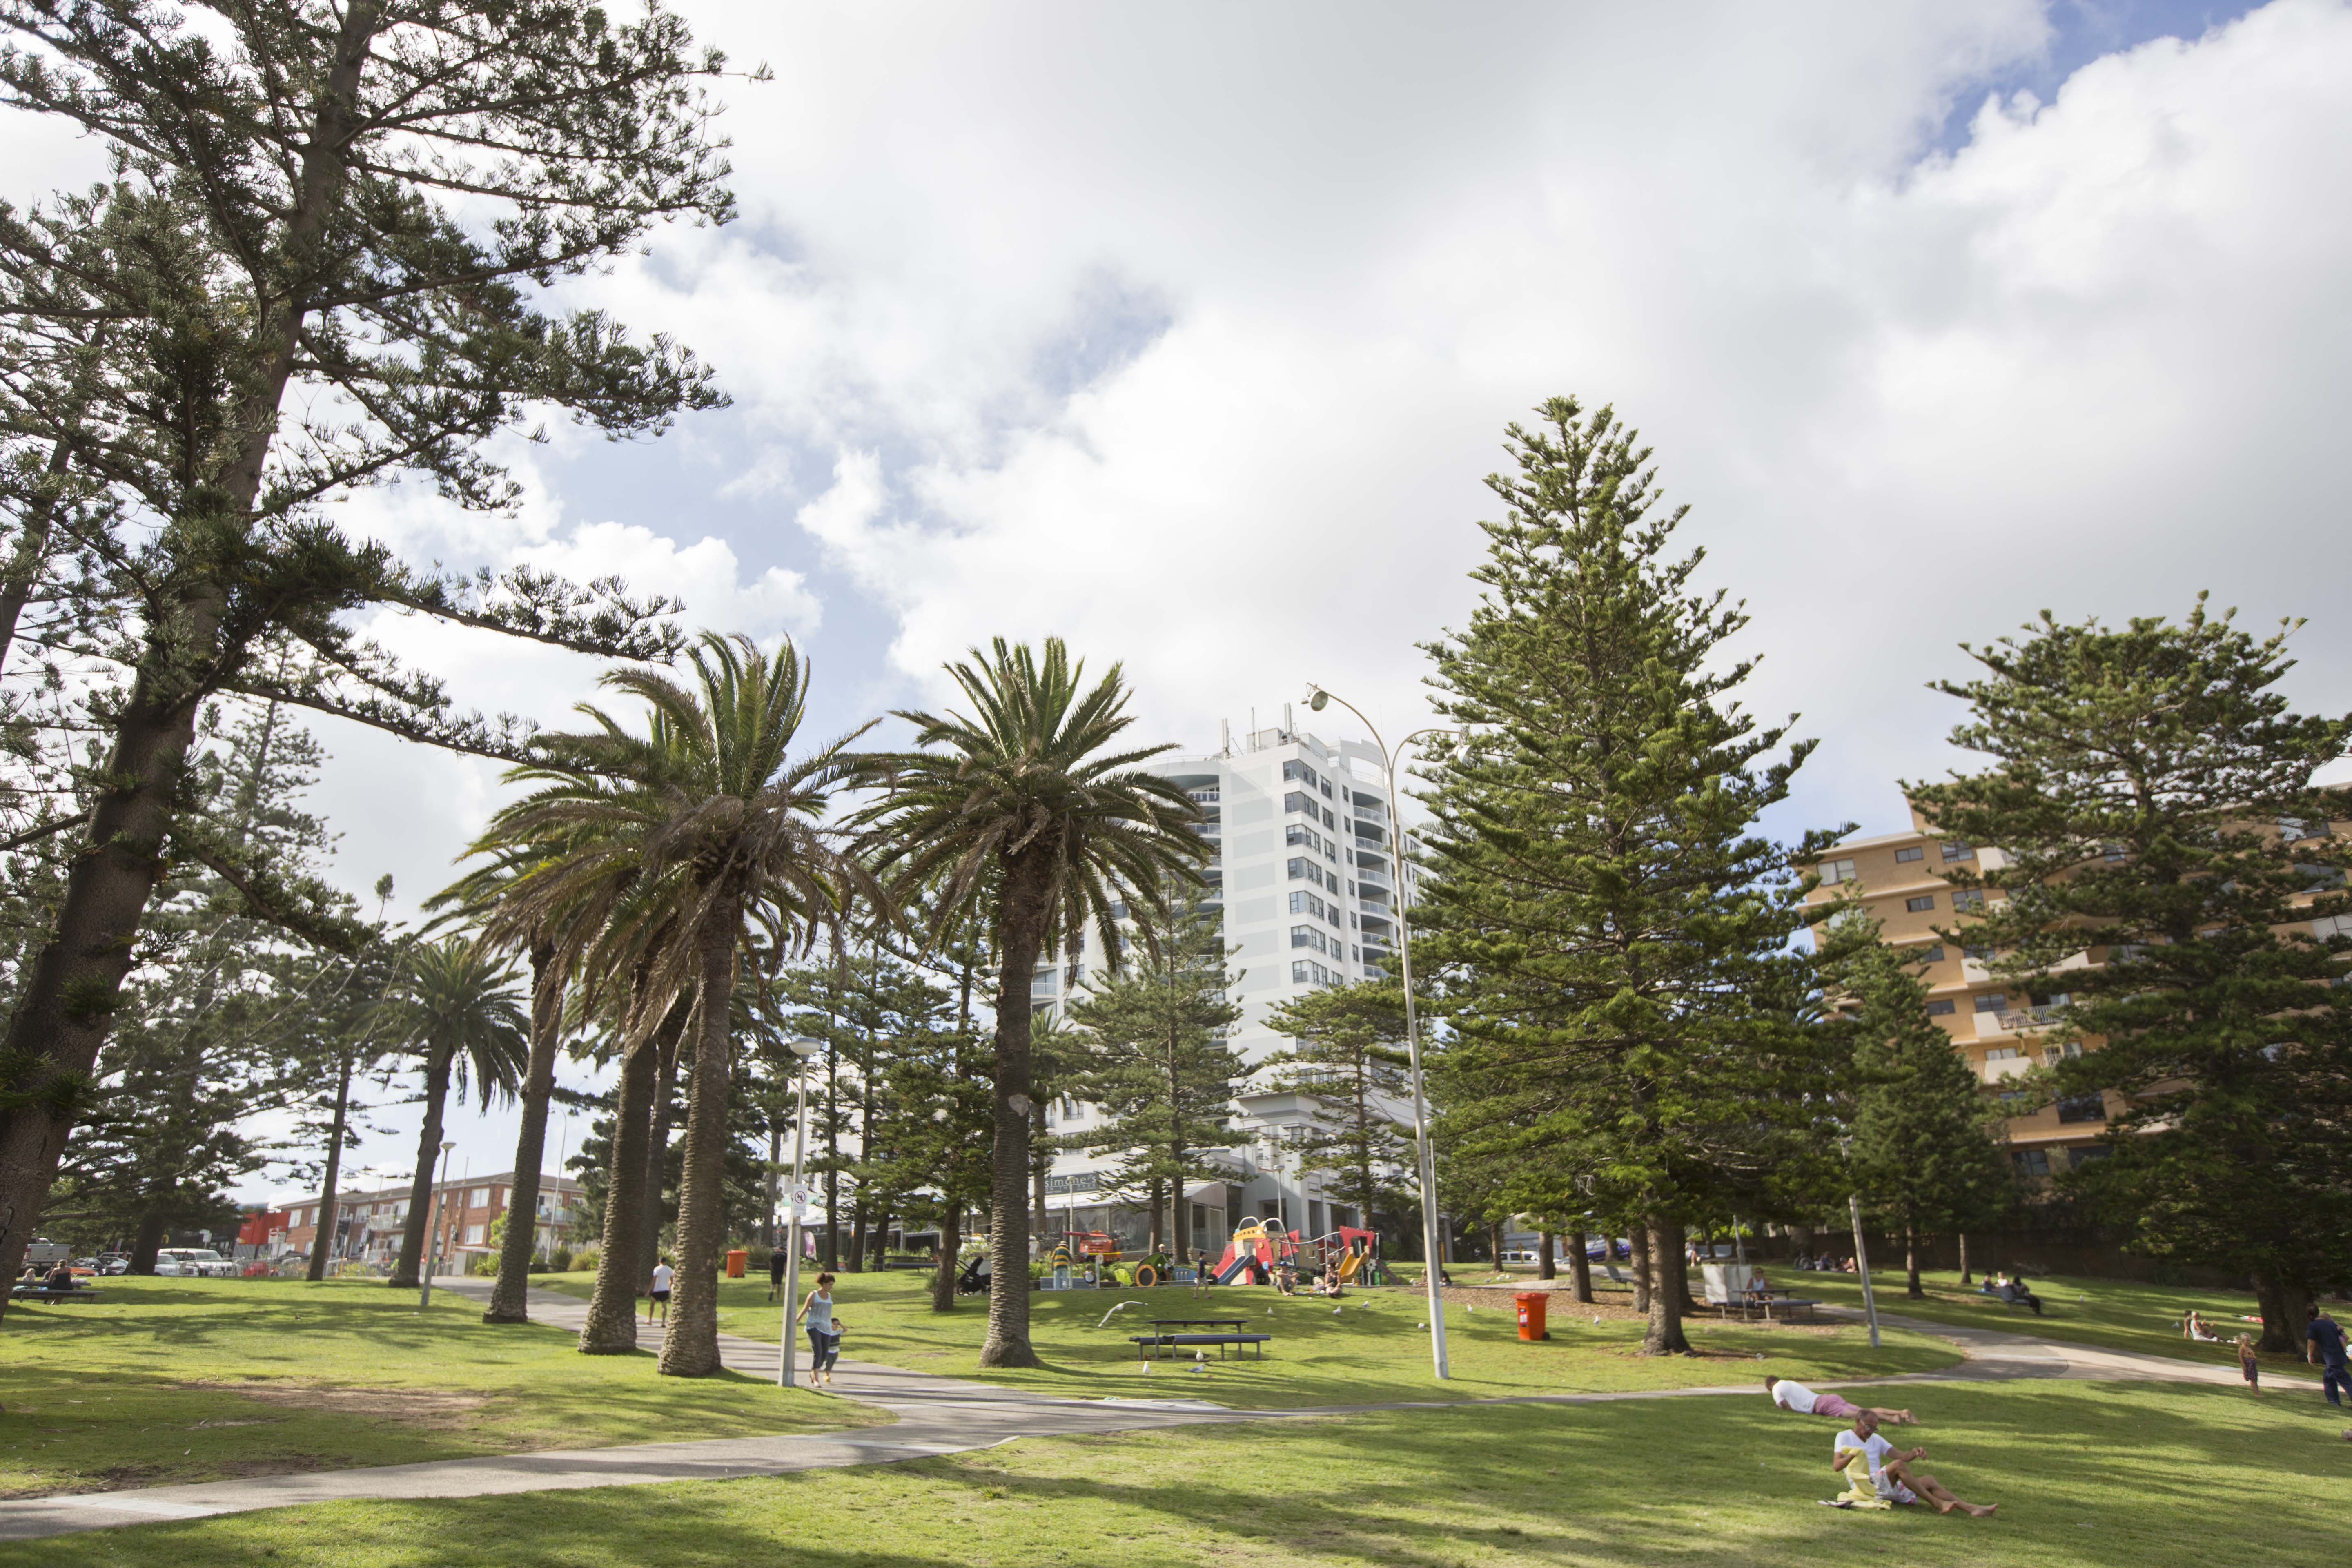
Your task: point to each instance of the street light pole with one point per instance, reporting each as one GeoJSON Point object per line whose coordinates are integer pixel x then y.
{"type": "Point", "coordinates": [1316, 699]}
{"type": "Point", "coordinates": [802, 1051]}
{"type": "Point", "coordinates": [440, 1206]}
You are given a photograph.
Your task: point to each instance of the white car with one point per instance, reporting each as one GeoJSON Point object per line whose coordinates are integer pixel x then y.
{"type": "Point", "coordinates": [199, 1262]}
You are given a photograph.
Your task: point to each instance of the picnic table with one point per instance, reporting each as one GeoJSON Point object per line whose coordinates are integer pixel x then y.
{"type": "Point", "coordinates": [44, 1293]}
{"type": "Point", "coordinates": [1765, 1300]}
{"type": "Point", "coordinates": [1167, 1335]}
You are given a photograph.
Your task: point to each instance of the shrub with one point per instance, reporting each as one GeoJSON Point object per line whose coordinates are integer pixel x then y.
{"type": "Point", "coordinates": [585, 1260]}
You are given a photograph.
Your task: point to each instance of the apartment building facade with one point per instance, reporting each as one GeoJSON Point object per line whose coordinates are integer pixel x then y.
{"type": "Point", "coordinates": [1309, 885]}
{"type": "Point", "coordinates": [368, 1225]}
{"type": "Point", "coordinates": [2001, 1031]}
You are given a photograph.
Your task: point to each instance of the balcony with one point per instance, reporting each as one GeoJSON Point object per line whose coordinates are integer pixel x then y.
{"type": "Point", "coordinates": [2031, 1019]}
{"type": "Point", "coordinates": [1206, 796]}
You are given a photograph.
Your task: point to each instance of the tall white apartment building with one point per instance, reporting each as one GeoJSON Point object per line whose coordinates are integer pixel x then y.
{"type": "Point", "coordinates": [1307, 876]}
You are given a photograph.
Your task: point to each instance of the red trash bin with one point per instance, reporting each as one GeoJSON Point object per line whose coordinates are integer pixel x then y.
{"type": "Point", "coordinates": [736, 1257]}
{"type": "Point", "coordinates": [1531, 1314]}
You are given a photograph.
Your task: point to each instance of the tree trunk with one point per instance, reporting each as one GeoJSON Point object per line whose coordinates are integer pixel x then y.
{"type": "Point", "coordinates": [1154, 1236]}
{"type": "Point", "coordinates": [1640, 1239]}
{"type": "Point", "coordinates": [2283, 1307]}
{"type": "Point", "coordinates": [1579, 1268]}
{"type": "Point", "coordinates": [943, 1284]}
{"type": "Point", "coordinates": [1494, 1244]}
{"type": "Point", "coordinates": [323, 1243]}
{"type": "Point", "coordinates": [690, 1349]}
{"type": "Point", "coordinates": [509, 1297]}
{"type": "Point", "coordinates": [1545, 1267]}
{"type": "Point", "coordinates": [1041, 1219]}
{"type": "Point", "coordinates": [1021, 928]}
{"type": "Point", "coordinates": [656, 1146]}
{"type": "Point", "coordinates": [1964, 1260]}
{"type": "Point", "coordinates": [832, 1151]}
{"type": "Point", "coordinates": [612, 1326]}
{"type": "Point", "coordinates": [1911, 1265]}
{"type": "Point", "coordinates": [147, 1241]}
{"type": "Point", "coordinates": [75, 984]}
{"type": "Point", "coordinates": [1667, 1291]}
{"type": "Point", "coordinates": [880, 1235]}
{"type": "Point", "coordinates": [420, 1189]}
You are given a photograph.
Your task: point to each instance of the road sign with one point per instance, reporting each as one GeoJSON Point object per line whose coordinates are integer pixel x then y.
{"type": "Point", "coordinates": [800, 1203]}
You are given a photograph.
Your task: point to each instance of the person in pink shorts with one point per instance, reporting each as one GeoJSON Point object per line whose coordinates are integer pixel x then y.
{"type": "Point", "coordinates": [1796, 1396]}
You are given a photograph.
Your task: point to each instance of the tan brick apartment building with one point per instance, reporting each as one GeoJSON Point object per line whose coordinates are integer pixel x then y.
{"type": "Point", "coordinates": [369, 1224]}
{"type": "Point", "coordinates": [1897, 877]}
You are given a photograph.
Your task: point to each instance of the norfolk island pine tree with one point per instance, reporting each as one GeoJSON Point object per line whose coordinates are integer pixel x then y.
{"type": "Point", "coordinates": [288, 245]}
{"type": "Point", "coordinates": [1612, 935]}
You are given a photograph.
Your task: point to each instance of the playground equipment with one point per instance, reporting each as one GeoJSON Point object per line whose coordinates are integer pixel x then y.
{"type": "Point", "coordinates": [1261, 1245]}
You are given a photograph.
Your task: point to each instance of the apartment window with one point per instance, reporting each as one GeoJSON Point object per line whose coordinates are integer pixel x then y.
{"type": "Point", "coordinates": [2001, 1054]}
{"type": "Point", "coordinates": [2031, 1161]}
{"type": "Point", "coordinates": [2082, 1108]}
{"type": "Point", "coordinates": [1310, 936]}
{"type": "Point", "coordinates": [2112, 853]}
{"type": "Point", "coordinates": [1299, 833]}
{"type": "Point", "coordinates": [2078, 1158]}
{"type": "Point", "coordinates": [1837, 871]}
{"type": "Point", "coordinates": [1932, 953]}
{"type": "Point", "coordinates": [2292, 828]}
{"type": "Point", "coordinates": [1905, 856]}
{"type": "Point", "coordinates": [1968, 899]}
{"type": "Point", "coordinates": [1955, 850]}
{"type": "Point", "coordinates": [2331, 927]}
{"type": "Point", "coordinates": [2018, 1102]}
{"type": "Point", "coordinates": [479, 1199]}
{"type": "Point", "coordinates": [1981, 955]}
{"type": "Point", "coordinates": [1328, 820]}
{"type": "Point", "coordinates": [1940, 1006]}
{"type": "Point", "coordinates": [1297, 867]}
{"type": "Point", "coordinates": [1308, 903]}
{"type": "Point", "coordinates": [1305, 970]}
{"type": "Point", "coordinates": [1919, 905]}
{"type": "Point", "coordinates": [1992, 1002]}
{"type": "Point", "coordinates": [1296, 800]}
{"type": "Point", "coordinates": [1327, 789]}
{"type": "Point", "coordinates": [1298, 770]}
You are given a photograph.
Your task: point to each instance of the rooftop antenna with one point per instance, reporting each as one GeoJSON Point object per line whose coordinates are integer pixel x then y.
{"type": "Point", "coordinates": [1253, 729]}
{"type": "Point", "coordinates": [1225, 729]}
{"type": "Point", "coordinates": [1289, 729]}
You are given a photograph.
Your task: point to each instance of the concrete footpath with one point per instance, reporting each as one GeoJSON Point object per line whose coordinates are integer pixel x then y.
{"type": "Point", "coordinates": [934, 1416]}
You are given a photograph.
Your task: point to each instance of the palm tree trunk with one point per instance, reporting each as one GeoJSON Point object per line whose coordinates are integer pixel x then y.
{"type": "Point", "coordinates": [1667, 1291]}
{"type": "Point", "coordinates": [420, 1190]}
{"type": "Point", "coordinates": [612, 1326]}
{"type": "Point", "coordinates": [1579, 1268]}
{"type": "Point", "coordinates": [1021, 925]}
{"type": "Point", "coordinates": [323, 1242]}
{"type": "Point", "coordinates": [510, 1296]}
{"type": "Point", "coordinates": [690, 1349]}
{"type": "Point", "coordinates": [656, 1146]}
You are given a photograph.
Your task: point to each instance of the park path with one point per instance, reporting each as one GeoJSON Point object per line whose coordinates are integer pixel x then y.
{"type": "Point", "coordinates": [933, 1415]}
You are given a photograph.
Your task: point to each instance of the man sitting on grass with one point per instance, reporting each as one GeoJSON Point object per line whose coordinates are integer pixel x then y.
{"type": "Point", "coordinates": [1796, 1396]}
{"type": "Point", "coordinates": [1891, 1472]}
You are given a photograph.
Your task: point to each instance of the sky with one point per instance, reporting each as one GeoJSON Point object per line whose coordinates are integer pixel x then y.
{"type": "Point", "coordinates": [1189, 334]}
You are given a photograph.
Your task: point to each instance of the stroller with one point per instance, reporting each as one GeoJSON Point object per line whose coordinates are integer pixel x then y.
{"type": "Point", "coordinates": [973, 1280]}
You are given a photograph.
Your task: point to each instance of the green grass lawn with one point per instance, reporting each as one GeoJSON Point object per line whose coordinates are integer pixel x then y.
{"type": "Point", "coordinates": [1374, 1352]}
{"type": "Point", "coordinates": [2114, 1313]}
{"type": "Point", "coordinates": [173, 1379]}
{"type": "Point", "coordinates": [2086, 1475]}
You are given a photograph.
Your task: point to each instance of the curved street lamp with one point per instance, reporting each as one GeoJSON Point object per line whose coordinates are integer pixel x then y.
{"type": "Point", "coordinates": [1316, 700]}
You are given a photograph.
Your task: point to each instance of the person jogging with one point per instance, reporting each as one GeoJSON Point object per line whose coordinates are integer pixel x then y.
{"type": "Point", "coordinates": [824, 1331]}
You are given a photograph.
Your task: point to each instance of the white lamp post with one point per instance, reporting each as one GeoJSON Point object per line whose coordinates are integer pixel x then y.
{"type": "Point", "coordinates": [802, 1051]}
{"type": "Point", "coordinates": [1316, 699]}
{"type": "Point", "coordinates": [440, 1207]}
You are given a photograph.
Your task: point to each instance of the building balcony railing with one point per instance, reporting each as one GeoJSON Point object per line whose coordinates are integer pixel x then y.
{"type": "Point", "coordinates": [2031, 1019]}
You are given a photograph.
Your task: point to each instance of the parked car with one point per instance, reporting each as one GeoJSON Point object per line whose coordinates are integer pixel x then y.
{"type": "Point", "coordinates": [1600, 1249]}
{"type": "Point", "coordinates": [43, 1253]}
{"type": "Point", "coordinates": [197, 1261]}
{"type": "Point", "coordinates": [114, 1263]}
{"type": "Point", "coordinates": [1519, 1255]}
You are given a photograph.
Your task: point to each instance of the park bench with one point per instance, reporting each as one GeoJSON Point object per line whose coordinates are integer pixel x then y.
{"type": "Point", "coordinates": [1167, 1335]}
{"type": "Point", "coordinates": [43, 1293]}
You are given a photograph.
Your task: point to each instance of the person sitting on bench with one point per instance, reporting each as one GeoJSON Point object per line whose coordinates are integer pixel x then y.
{"type": "Point", "coordinates": [2017, 1295]}
{"type": "Point", "coordinates": [61, 1278]}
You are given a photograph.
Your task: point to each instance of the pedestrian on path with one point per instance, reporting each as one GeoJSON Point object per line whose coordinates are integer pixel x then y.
{"type": "Point", "coordinates": [824, 1331]}
{"type": "Point", "coordinates": [660, 1295]}
{"type": "Point", "coordinates": [776, 1261]}
{"type": "Point", "coordinates": [2248, 1366]}
{"type": "Point", "coordinates": [2323, 1346]}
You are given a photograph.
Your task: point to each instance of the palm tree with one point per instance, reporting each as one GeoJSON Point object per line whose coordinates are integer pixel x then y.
{"type": "Point", "coordinates": [456, 1003]}
{"type": "Point", "coordinates": [710, 835]}
{"type": "Point", "coordinates": [1022, 811]}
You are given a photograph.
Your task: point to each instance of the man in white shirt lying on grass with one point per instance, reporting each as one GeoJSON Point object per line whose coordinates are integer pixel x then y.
{"type": "Point", "coordinates": [1796, 1396]}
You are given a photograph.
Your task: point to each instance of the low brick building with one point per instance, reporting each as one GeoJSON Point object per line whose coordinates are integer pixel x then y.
{"type": "Point", "coordinates": [369, 1224]}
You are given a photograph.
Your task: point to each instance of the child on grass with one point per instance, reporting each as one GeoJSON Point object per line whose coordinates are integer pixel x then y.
{"type": "Point", "coordinates": [2251, 1368]}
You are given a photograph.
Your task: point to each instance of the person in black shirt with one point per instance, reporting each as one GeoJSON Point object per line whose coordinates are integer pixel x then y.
{"type": "Point", "coordinates": [2323, 1348]}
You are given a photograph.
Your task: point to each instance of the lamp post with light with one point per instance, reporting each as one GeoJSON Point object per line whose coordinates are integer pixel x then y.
{"type": "Point", "coordinates": [440, 1207]}
{"type": "Point", "coordinates": [1316, 700]}
{"type": "Point", "coordinates": [802, 1050]}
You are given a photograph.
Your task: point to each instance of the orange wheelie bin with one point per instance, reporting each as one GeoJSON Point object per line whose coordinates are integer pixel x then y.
{"type": "Point", "coordinates": [736, 1257]}
{"type": "Point", "coordinates": [1531, 1314]}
